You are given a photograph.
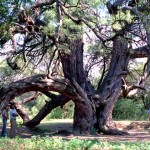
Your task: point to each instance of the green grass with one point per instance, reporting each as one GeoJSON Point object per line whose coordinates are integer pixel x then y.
{"type": "Point", "coordinates": [47, 143]}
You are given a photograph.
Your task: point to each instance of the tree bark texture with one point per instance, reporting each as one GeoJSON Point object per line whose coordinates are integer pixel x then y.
{"type": "Point", "coordinates": [110, 89]}
{"type": "Point", "coordinates": [35, 83]}
{"type": "Point", "coordinates": [73, 68]}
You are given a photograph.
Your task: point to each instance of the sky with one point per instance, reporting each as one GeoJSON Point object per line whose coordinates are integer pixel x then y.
{"type": "Point", "coordinates": [8, 46]}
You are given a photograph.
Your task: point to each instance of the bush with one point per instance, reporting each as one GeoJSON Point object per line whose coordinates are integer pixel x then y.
{"type": "Point", "coordinates": [62, 113]}
{"type": "Point", "coordinates": [58, 113]}
{"type": "Point", "coordinates": [127, 109]}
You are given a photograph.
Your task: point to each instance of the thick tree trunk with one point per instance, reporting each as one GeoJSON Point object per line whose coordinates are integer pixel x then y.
{"type": "Point", "coordinates": [83, 114]}
{"type": "Point", "coordinates": [83, 122]}
{"type": "Point", "coordinates": [110, 88]}
{"type": "Point", "coordinates": [74, 71]}
{"type": "Point", "coordinates": [73, 63]}
{"type": "Point", "coordinates": [106, 124]}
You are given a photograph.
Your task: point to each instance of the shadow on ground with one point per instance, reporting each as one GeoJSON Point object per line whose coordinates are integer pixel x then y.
{"type": "Point", "coordinates": [138, 131]}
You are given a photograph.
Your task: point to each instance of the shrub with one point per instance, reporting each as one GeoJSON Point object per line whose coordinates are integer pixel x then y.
{"type": "Point", "coordinates": [127, 109]}
{"type": "Point", "coordinates": [62, 113]}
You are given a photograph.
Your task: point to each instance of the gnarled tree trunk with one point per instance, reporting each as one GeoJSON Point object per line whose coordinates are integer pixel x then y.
{"type": "Point", "coordinates": [74, 71]}
{"type": "Point", "coordinates": [110, 90]}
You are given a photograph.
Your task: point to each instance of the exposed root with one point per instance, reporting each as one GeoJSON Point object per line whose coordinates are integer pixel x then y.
{"type": "Point", "coordinates": [111, 131]}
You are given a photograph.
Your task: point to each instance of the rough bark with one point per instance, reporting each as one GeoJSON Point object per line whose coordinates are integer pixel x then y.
{"type": "Point", "coordinates": [35, 83]}
{"type": "Point", "coordinates": [110, 89]}
{"type": "Point", "coordinates": [83, 121]}
{"type": "Point", "coordinates": [73, 63]}
{"type": "Point", "coordinates": [74, 71]}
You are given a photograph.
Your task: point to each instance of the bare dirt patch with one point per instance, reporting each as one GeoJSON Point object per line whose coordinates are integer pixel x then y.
{"type": "Point", "coordinates": [138, 131]}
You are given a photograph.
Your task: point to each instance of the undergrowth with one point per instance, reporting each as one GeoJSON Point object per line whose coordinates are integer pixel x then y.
{"type": "Point", "coordinates": [47, 143]}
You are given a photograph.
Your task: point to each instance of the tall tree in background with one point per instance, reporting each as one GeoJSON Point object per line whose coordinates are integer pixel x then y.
{"type": "Point", "coordinates": [53, 34]}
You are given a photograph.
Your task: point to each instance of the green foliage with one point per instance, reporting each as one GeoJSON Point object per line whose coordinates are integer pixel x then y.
{"type": "Point", "coordinates": [34, 106]}
{"type": "Point", "coordinates": [69, 30]}
{"type": "Point", "coordinates": [121, 19]}
{"type": "Point", "coordinates": [9, 11]}
{"type": "Point", "coordinates": [47, 143]}
{"type": "Point", "coordinates": [62, 113]}
{"type": "Point", "coordinates": [71, 2]}
{"type": "Point", "coordinates": [95, 3]}
{"type": "Point", "coordinates": [145, 96]}
{"type": "Point", "coordinates": [136, 68]}
{"type": "Point", "coordinates": [4, 69]}
{"type": "Point", "coordinates": [6, 73]}
{"type": "Point", "coordinates": [50, 18]}
{"type": "Point", "coordinates": [127, 109]}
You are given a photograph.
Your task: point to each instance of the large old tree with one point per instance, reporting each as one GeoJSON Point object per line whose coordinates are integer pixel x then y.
{"type": "Point", "coordinates": [61, 42]}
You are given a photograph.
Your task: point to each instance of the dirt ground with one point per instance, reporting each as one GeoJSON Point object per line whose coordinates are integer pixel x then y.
{"type": "Point", "coordinates": [138, 131]}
